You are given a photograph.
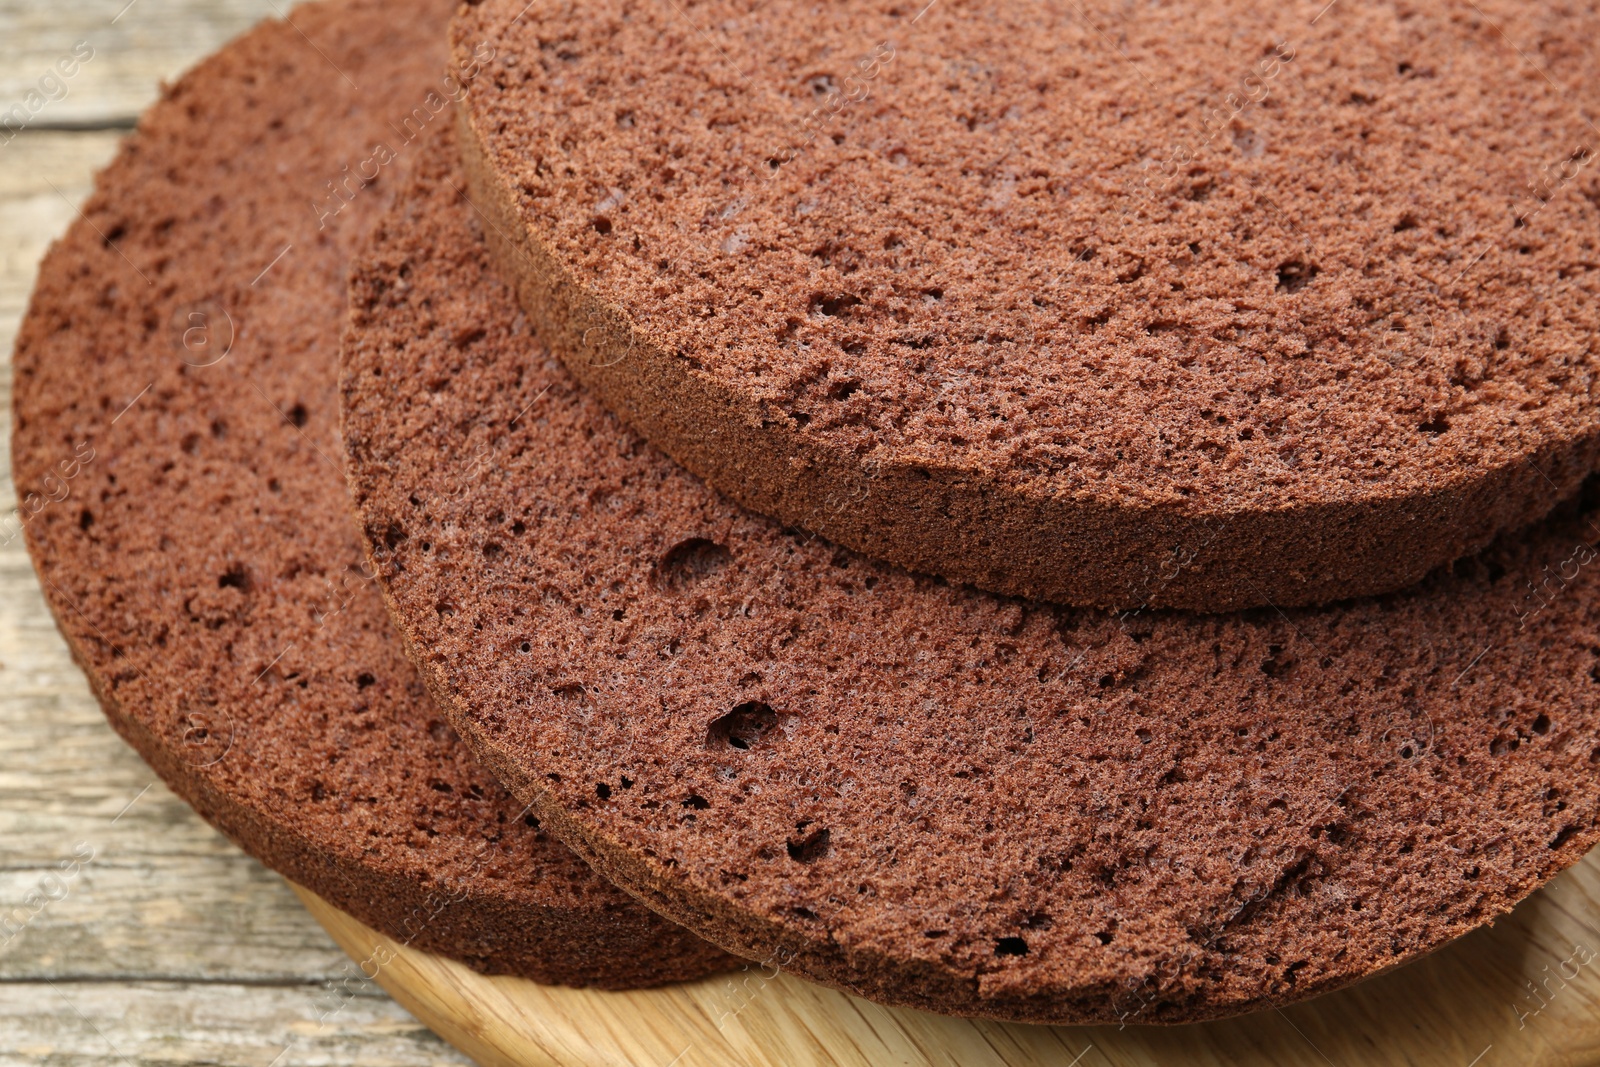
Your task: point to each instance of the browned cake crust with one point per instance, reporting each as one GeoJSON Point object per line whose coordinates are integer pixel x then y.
{"type": "Point", "coordinates": [924, 794]}
{"type": "Point", "coordinates": [1205, 305]}
{"type": "Point", "coordinates": [193, 535]}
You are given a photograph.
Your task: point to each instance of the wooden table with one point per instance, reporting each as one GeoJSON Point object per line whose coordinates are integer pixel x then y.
{"type": "Point", "coordinates": [171, 946]}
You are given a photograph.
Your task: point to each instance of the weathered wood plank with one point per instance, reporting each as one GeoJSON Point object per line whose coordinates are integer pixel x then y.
{"type": "Point", "coordinates": [58, 1024]}
{"type": "Point", "coordinates": [117, 53]}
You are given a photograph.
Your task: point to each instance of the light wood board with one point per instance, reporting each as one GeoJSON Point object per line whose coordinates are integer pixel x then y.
{"type": "Point", "coordinates": [1469, 1005]}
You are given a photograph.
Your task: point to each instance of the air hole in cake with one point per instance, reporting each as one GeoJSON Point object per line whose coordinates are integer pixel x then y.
{"type": "Point", "coordinates": [1277, 664]}
{"type": "Point", "coordinates": [934, 933]}
{"type": "Point", "coordinates": [1541, 725]}
{"type": "Point", "coordinates": [1104, 937]}
{"type": "Point", "coordinates": [689, 562]}
{"type": "Point", "coordinates": [441, 787]}
{"type": "Point", "coordinates": [696, 802]}
{"type": "Point", "coordinates": [843, 390]}
{"type": "Point", "coordinates": [833, 306]}
{"type": "Point", "coordinates": [364, 679]}
{"type": "Point", "coordinates": [602, 225]}
{"type": "Point", "coordinates": [236, 577]}
{"type": "Point", "coordinates": [85, 519]}
{"type": "Point", "coordinates": [493, 550]}
{"type": "Point", "coordinates": [602, 791]}
{"type": "Point", "coordinates": [811, 847]}
{"type": "Point", "coordinates": [1011, 946]}
{"type": "Point", "coordinates": [1562, 836]}
{"type": "Point", "coordinates": [1038, 921]}
{"type": "Point", "coordinates": [390, 537]}
{"type": "Point", "coordinates": [298, 415]}
{"type": "Point", "coordinates": [1435, 426]}
{"type": "Point", "coordinates": [1294, 276]}
{"type": "Point", "coordinates": [743, 728]}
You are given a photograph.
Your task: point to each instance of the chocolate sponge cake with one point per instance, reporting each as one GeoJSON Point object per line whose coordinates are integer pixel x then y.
{"type": "Point", "coordinates": [1208, 305]}
{"type": "Point", "coordinates": [925, 794]}
{"type": "Point", "coordinates": [177, 426]}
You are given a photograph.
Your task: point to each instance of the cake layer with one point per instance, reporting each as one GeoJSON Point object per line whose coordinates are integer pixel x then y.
{"type": "Point", "coordinates": [175, 448]}
{"type": "Point", "coordinates": [924, 794]}
{"type": "Point", "coordinates": [1208, 305]}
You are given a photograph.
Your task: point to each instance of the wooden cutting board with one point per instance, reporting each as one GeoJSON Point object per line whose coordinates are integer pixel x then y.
{"type": "Point", "coordinates": [1523, 992]}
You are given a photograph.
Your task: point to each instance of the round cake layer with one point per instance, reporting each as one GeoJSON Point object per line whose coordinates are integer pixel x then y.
{"type": "Point", "coordinates": [175, 450]}
{"type": "Point", "coordinates": [923, 794]}
{"type": "Point", "coordinates": [1209, 305]}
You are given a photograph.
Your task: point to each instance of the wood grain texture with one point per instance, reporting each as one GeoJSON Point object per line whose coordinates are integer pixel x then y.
{"type": "Point", "coordinates": [1466, 1006]}
{"type": "Point", "coordinates": [130, 47]}
{"type": "Point", "coordinates": [169, 945]}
